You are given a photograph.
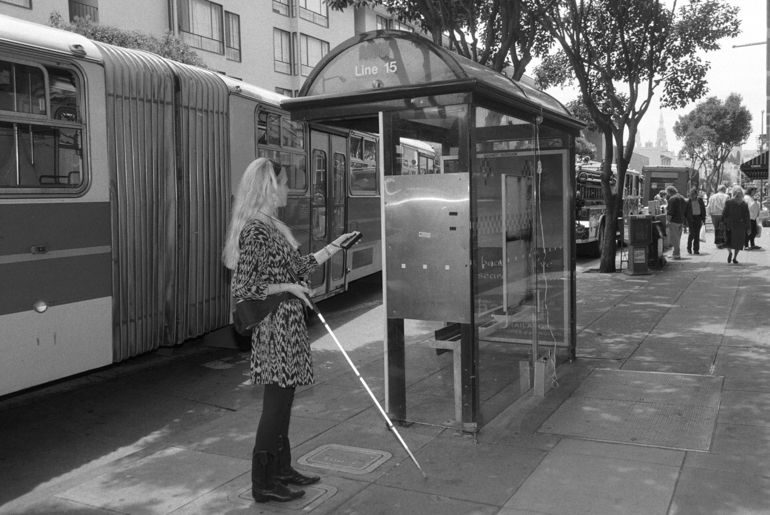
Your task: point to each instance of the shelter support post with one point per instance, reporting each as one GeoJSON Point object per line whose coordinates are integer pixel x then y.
{"type": "Point", "coordinates": [396, 369]}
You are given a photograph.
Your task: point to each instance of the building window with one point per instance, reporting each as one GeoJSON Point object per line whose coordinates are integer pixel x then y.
{"type": "Point", "coordinates": [232, 36]}
{"type": "Point", "coordinates": [397, 25]}
{"type": "Point", "coordinates": [200, 25]}
{"type": "Point", "coordinates": [41, 132]}
{"type": "Point", "coordinates": [282, 51]}
{"type": "Point", "coordinates": [382, 23]}
{"type": "Point", "coordinates": [315, 11]}
{"type": "Point", "coordinates": [282, 7]}
{"type": "Point", "coordinates": [312, 50]}
{"type": "Point", "coordinates": [20, 3]}
{"type": "Point", "coordinates": [84, 9]}
{"type": "Point", "coordinates": [284, 91]}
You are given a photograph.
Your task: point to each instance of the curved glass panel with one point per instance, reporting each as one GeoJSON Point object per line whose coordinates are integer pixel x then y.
{"type": "Point", "coordinates": [543, 99]}
{"type": "Point", "coordinates": [385, 62]}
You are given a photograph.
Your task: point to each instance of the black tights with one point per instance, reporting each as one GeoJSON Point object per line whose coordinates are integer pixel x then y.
{"type": "Point", "coordinates": [274, 422]}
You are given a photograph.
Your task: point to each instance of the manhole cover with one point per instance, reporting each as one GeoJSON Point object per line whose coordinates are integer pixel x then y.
{"type": "Point", "coordinates": [314, 496]}
{"type": "Point", "coordinates": [343, 458]}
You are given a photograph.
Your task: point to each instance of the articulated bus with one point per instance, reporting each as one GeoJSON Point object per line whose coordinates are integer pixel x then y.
{"type": "Point", "coordinates": [117, 170]}
{"type": "Point", "coordinates": [590, 208]}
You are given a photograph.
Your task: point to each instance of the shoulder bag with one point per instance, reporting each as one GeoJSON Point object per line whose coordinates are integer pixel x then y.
{"type": "Point", "coordinates": [249, 313]}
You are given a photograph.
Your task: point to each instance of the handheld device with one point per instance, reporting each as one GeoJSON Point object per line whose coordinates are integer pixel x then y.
{"type": "Point", "coordinates": [352, 240]}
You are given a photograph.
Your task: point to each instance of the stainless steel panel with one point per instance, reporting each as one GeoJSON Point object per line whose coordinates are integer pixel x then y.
{"type": "Point", "coordinates": [428, 255]}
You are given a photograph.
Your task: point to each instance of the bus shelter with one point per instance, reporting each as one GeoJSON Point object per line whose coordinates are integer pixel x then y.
{"type": "Point", "coordinates": [477, 203]}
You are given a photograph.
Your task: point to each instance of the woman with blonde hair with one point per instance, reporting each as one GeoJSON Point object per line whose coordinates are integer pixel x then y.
{"type": "Point", "coordinates": [262, 252]}
{"type": "Point", "coordinates": [736, 217]}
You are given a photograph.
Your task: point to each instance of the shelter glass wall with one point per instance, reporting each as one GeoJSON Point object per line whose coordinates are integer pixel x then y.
{"type": "Point", "coordinates": [522, 193]}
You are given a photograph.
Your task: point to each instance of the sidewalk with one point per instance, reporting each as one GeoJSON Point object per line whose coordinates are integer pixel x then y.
{"type": "Point", "coordinates": [665, 411]}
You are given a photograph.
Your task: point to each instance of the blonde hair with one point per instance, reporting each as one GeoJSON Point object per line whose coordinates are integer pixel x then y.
{"type": "Point", "coordinates": [737, 191]}
{"type": "Point", "coordinates": [256, 198]}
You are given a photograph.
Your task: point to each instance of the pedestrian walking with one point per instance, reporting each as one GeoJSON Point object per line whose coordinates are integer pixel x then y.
{"type": "Point", "coordinates": [736, 217]}
{"type": "Point", "coordinates": [695, 213]}
{"type": "Point", "coordinates": [675, 217]}
{"type": "Point", "coordinates": [715, 207]}
{"type": "Point", "coordinates": [754, 208]}
{"type": "Point", "coordinates": [262, 252]}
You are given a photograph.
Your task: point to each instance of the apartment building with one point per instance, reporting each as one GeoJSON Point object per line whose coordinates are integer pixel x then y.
{"type": "Point", "coordinates": [273, 44]}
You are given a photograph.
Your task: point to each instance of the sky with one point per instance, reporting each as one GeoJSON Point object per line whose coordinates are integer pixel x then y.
{"type": "Point", "coordinates": [740, 70]}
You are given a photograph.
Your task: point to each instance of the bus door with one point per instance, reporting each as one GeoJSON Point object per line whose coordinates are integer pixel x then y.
{"type": "Point", "coordinates": [328, 172]}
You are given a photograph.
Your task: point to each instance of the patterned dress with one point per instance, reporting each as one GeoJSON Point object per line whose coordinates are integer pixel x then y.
{"type": "Point", "coordinates": [280, 351]}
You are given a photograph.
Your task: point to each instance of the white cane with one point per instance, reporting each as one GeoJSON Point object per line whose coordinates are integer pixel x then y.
{"type": "Point", "coordinates": [376, 402]}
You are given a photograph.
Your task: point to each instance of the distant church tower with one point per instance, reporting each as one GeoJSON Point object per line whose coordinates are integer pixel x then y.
{"type": "Point", "coordinates": [661, 141]}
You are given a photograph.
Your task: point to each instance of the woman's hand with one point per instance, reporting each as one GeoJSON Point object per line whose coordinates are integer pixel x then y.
{"type": "Point", "coordinates": [301, 291]}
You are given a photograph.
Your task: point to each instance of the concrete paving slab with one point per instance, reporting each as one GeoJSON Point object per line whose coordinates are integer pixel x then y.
{"type": "Point", "coordinates": [580, 484]}
{"type": "Point", "coordinates": [753, 356]}
{"type": "Point", "coordinates": [626, 385]}
{"type": "Point", "coordinates": [747, 408]}
{"type": "Point", "coordinates": [383, 500]}
{"type": "Point", "coordinates": [460, 469]}
{"type": "Point", "coordinates": [677, 352]}
{"type": "Point", "coordinates": [747, 378]}
{"type": "Point", "coordinates": [330, 402]}
{"type": "Point", "coordinates": [129, 417]}
{"type": "Point", "coordinates": [234, 498]}
{"type": "Point", "coordinates": [54, 505]}
{"type": "Point", "coordinates": [654, 455]}
{"type": "Point", "coordinates": [233, 434]}
{"type": "Point", "coordinates": [669, 367]}
{"type": "Point", "coordinates": [605, 348]}
{"type": "Point", "coordinates": [217, 381]}
{"type": "Point", "coordinates": [663, 410]}
{"type": "Point", "coordinates": [148, 487]}
{"type": "Point", "coordinates": [720, 493]}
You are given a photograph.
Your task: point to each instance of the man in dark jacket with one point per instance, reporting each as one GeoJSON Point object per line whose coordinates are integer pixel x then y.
{"type": "Point", "coordinates": [695, 213]}
{"type": "Point", "coordinates": [675, 218]}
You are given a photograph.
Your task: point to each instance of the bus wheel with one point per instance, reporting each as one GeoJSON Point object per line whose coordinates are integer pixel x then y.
{"type": "Point", "coordinates": [599, 241]}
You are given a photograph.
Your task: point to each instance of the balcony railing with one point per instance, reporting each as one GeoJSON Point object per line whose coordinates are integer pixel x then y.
{"type": "Point", "coordinates": [202, 42]}
{"type": "Point", "coordinates": [316, 18]}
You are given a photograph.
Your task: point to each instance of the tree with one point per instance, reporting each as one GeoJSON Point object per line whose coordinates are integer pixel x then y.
{"type": "Point", "coordinates": [495, 33]}
{"type": "Point", "coordinates": [168, 46]}
{"type": "Point", "coordinates": [621, 52]}
{"type": "Point", "coordinates": [711, 131]}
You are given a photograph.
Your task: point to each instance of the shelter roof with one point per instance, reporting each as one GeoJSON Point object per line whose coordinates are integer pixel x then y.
{"type": "Point", "coordinates": [391, 64]}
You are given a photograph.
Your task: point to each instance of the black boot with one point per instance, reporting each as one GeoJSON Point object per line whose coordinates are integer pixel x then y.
{"type": "Point", "coordinates": [264, 487]}
{"type": "Point", "coordinates": [285, 473]}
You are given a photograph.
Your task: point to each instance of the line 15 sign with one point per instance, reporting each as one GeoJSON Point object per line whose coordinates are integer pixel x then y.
{"type": "Point", "coordinates": [365, 71]}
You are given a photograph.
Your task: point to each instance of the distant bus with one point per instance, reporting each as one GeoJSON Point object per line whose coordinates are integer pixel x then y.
{"type": "Point", "coordinates": [590, 206]}
{"type": "Point", "coordinates": [418, 157]}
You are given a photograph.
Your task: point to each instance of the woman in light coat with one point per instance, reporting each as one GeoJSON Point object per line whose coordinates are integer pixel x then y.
{"type": "Point", "coordinates": [754, 209]}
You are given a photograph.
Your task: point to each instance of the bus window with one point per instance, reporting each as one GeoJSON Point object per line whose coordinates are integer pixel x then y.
{"type": "Point", "coordinates": [283, 140]}
{"type": "Point", "coordinates": [43, 152]}
{"type": "Point", "coordinates": [363, 166]}
{"type": "Point", "coordinates": [319, 194]}
{"type": "Point", "coordinates": [292, 134]}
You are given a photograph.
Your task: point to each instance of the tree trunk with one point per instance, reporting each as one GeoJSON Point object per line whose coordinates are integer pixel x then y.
{"type": "Point", "coordinates": [607, 260]}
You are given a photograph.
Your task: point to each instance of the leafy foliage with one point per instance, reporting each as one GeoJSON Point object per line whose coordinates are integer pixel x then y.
{"type": "Point", "coordinates": [495, 33]}
{"type": "Point", "coordinates": [168, 46]}
{"type": "Point", "coordinates": [711, 131]}
{"type": "Point", "coordinates": [621, 52]}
